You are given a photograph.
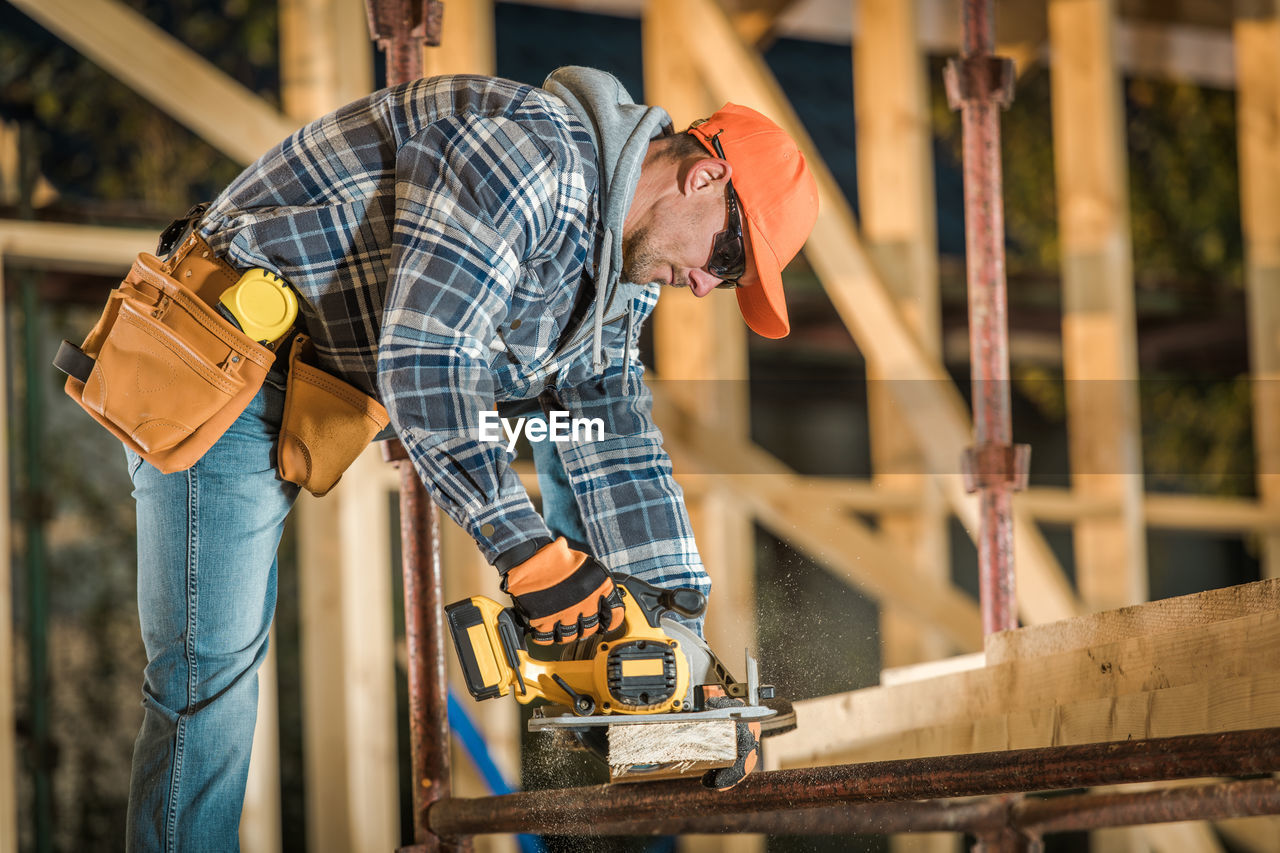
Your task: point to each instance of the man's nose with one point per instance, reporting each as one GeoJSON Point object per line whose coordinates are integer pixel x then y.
{"type": "Point", "coordinates": [702, 282]}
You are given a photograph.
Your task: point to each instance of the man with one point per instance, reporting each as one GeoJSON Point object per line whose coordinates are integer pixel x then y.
{"type": "Point", "coordinates": [457, 245]}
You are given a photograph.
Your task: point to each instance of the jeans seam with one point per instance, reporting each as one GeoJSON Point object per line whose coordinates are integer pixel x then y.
{"type": "Point", "coordinates": [193, 549]}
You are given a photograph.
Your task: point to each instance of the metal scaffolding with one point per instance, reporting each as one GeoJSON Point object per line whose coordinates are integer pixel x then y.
{"type": "Point", "coordinates": [916, 795]}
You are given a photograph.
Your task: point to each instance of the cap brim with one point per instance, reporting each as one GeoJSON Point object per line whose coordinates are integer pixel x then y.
{"type": "Point", "coordinates": [763, 304]}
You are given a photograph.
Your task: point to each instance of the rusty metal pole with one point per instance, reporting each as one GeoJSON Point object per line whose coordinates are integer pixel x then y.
{"type": "Point", "coordinates": [401, 27]}
{"type": "Point", "coordinates": [426, 643]}
{"type": "Point", "coordinates": [980, 85]}
{"type": "Point", "coordinates": [657, 806]}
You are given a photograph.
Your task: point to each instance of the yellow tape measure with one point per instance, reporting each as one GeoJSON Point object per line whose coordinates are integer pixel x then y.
{"type": "Point", "coordinates": [262, 303]}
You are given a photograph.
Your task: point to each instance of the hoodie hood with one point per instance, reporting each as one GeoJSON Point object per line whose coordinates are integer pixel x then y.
{"type": "Point", "coordinates": [621, 130]}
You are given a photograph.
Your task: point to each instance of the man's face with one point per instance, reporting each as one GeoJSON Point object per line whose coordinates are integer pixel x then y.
{"type": "Point", "coordinates": [673, 244]}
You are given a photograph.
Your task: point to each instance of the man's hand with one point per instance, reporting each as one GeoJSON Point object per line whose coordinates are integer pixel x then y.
{"type": "Point", "coordinates": [564, 595]}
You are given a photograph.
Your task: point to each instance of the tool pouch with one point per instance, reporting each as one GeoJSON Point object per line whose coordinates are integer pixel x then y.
{"type": "Point", "coordinates": [326, 425]}
{"type": "Point", "coordinates": [162, 370]}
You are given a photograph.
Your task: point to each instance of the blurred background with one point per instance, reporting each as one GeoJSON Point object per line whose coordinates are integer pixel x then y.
{"type": "Point", "coordinates": [79, 146]}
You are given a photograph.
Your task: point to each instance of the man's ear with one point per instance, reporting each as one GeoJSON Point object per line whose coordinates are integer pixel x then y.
{"type": "Point", "coordinates": [706, 173]}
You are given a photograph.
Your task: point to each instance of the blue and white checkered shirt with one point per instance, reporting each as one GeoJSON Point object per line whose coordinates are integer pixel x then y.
{"type": "Point", "coordinates": [437, 234]}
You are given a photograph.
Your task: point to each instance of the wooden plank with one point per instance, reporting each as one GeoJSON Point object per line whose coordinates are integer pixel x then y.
{"type": "Point", "coordinates": [1216, 705]}
{"type": "Point", "coordinates": [931, 669]}
{"type": "Point", "coordinates": [1241, 648]}
{"type": "Point", "coordinates": [704, 743]}
{"type": "Point", "coordinates": [1251, 834]}
{"type": "Point", "coordinates": [1156, 617]}
{"type": "Point", "coordinates": [8, 719]}
{"type": "Point", "coordinates": [325, 751]}
{"type": "Point", "coordinates": [260, 823]}
{"type": "Point", "coordinates": [1100, 359]}
{"type": "Point", "coordinates": [940, 422]}
{"type": "Point", "coordinates": [349, 740]}
{"type": "Point", "coordinates": [326, 57]}
{"type": "Point", "coordinates": [1047, 504]}
{"type": "Point", "coordinates": [1257, 37]}
{"type": "Point", "coordinates": [164, 71]}
{"type": "Point", "coordinates": [467, 44]}
{"type": "Point", "coordinates": [86, 248]}
{"type": "Point", "coordinates": [368, 654]}
{"type": "Point", "coordinates": [895, 187]}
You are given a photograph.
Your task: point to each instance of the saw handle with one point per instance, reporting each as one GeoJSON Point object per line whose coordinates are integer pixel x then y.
{"type": "Point", "coordinates": [655, 601]}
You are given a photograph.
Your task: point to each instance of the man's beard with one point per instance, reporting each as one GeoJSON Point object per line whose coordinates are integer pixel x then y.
{"type": "Point", "coordinates": [639, 258]}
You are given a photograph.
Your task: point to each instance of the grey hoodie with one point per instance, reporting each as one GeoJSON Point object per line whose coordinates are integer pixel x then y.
{"type": "Point", "coordinates": [621, 130]}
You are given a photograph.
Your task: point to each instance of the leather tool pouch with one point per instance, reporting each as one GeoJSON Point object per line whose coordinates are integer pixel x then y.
{"type": "Point", "coordinates": [162, 370]}
{"type": "Point", "coordinates": [326, 425]}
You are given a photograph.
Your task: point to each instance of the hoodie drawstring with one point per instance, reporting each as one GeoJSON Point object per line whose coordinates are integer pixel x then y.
{"type": "Point", "coordinates": [626, 354]}
{"type": "Point", "coordinates": [605, 271]}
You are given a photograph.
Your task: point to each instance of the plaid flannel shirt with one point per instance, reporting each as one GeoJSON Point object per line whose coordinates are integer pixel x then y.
{"type": "Point", "coordinates": [437, 234]}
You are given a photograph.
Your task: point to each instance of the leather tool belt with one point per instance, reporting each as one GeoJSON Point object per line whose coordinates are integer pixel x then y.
{"type": "Point", "coordinates": [167, 374]}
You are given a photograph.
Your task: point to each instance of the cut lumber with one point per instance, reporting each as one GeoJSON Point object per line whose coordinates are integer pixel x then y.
{"type": "Point", "coordinates": [1052, 687]}
{"type": "Point", "coordinates": [644, 751]}
{"type": "Point", "coordinates": [1222, 705]}
{"type": "Point", "coordinates": [1156, 617]}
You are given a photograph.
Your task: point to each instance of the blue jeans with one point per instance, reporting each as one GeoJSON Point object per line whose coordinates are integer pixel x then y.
{"type": "Point", "coordinates": [207, 540]}
{"type": "Point", "coordinates": [559, 506]}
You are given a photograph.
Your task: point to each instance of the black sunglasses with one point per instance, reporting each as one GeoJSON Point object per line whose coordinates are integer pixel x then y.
{"type": "Point", "coordinates": [728, 260]}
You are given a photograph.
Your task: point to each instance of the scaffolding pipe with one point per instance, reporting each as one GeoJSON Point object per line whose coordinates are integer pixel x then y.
{"type": "Point", "coordinates": [1030, 817]}
{"type": "Point", "coordinates": [980, 85]}
{"type": "Point", "coordinates": [425, 640]}
{"type": "Point", "coordinates": [400, 28]}
{"type": "Point", "coordinates": [625, 809]}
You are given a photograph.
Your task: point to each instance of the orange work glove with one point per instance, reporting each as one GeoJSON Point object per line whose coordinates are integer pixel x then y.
{"type": "Point", "coordinates": [563, 594]}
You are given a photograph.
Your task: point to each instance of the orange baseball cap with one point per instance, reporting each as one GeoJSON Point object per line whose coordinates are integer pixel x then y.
{"type": "Point", "coordinates": [779, 202]}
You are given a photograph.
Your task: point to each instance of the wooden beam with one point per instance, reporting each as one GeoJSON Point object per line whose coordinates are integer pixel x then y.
{"type": "Point", "coordinates": [1127, 623]}
{"type": "Point", "coordinates": [1100, 358]}
{"type": "Point", "coordinates": [467, 44]}
{"type": "Point", "coordinates": [895, 186]}
{"type": "Point", "coordinates": [349, 739]}
{"type": "Point", "coordinates": [325, 751]}
{"type": "Point", "coordinates": [260, 822]}
{"type": "Point", "coordinates": [1257, 33]}
{"type": "Point", "coordinates": [1211, 706]}
{"type": "Point", "coordinates": [939, 420]}
{"type": "Point", "coordinates": [164, 71]}
{"type": "Point", "coordinates": [326, 57]}
{"type": "Point", "coordinates": [1223, 675]}
{"type": "Point", "coordinates": [83, 248]}
{"type": "Point", "coordinates": [757, 20]}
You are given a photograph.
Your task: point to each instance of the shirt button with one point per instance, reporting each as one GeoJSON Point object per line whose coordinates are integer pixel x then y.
{"type": "Point", "coordinates": [487, 530]}
{"type": "Point", "coordinates": [516, 323]}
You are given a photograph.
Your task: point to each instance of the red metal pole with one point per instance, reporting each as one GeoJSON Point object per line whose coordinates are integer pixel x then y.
{"type": "Point", "coordinates": [425, 639]}
{"type": "Point", "coordinates": [400, 28]}
{"type": "Point", "coordinates": [980, 85]}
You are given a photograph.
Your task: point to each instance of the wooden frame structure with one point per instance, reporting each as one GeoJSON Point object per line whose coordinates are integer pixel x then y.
{"type": "Point", "coordinates": [881, 277]}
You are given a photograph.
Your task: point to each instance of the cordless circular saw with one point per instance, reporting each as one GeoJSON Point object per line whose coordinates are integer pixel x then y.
{"type": "Point", "coordinates": [650, 670]}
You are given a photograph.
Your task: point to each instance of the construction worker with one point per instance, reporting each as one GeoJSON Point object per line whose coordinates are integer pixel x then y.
{"type": "Point", "coordinates": [457, 245]}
